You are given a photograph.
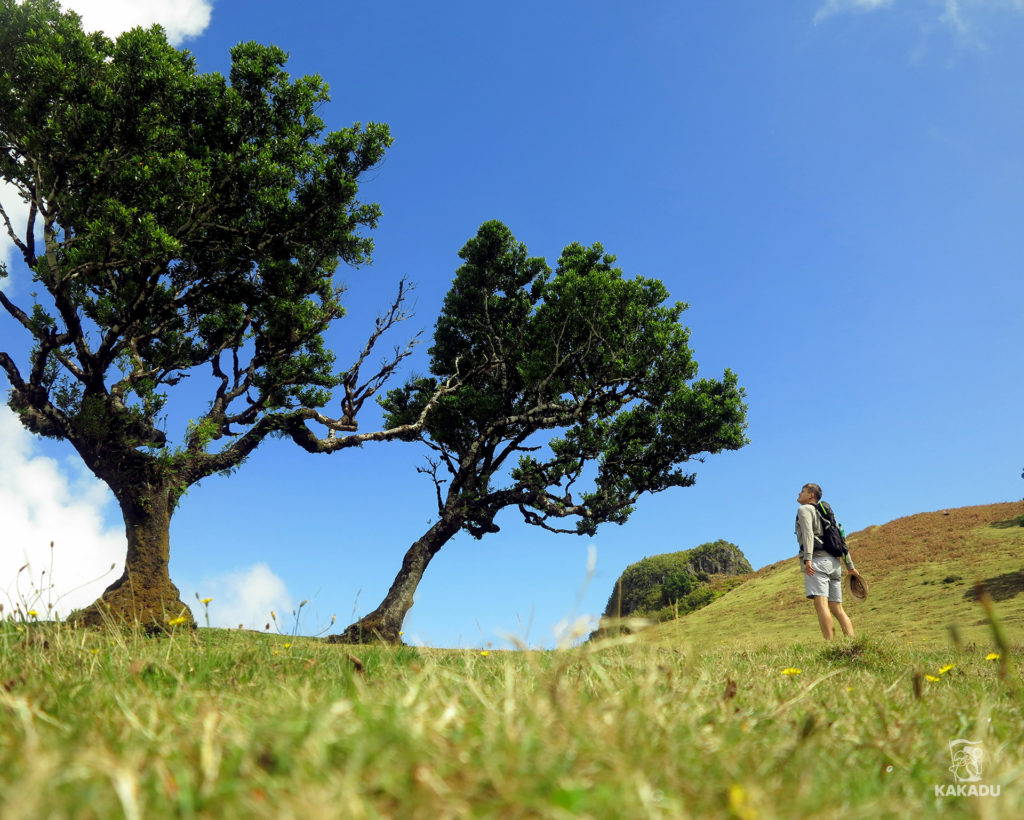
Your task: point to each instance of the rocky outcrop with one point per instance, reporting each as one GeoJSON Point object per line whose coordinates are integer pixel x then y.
{"type": "Point", "coordinates": [718, 558]}
{"type": "Point", "coordinates": [671, 584]}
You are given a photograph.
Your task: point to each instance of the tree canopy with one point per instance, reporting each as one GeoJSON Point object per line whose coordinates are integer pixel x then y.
{"type": "Point", "coordinates": [578, 394]}
{"type": "Point", "coordinates": [178, 223]}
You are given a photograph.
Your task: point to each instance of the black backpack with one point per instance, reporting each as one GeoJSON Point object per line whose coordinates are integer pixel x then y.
{"type": "Point", "coordinates": [833, 541]}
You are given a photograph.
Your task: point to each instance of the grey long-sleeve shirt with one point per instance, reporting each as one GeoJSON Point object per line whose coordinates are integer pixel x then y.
{"type": "Point", "coordinates": [808, 526]}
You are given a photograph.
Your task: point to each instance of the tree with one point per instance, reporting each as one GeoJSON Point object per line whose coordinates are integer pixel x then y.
{"type": "Point", "coordinates": [677, 585]}
{"type": "Point", "coordinates": [178, 224]}
{"type": "Point", "coordinates": [584, 377]}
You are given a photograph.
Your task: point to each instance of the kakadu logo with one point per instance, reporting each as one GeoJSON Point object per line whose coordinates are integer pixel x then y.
{"type": "Point", "coordinates": [968, 757]}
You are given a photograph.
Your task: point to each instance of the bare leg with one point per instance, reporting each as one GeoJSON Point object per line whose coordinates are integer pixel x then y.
{"type": "Point", "coordinates": [824, 616]}
{"type": "Point", "coordinates": [841, 616]}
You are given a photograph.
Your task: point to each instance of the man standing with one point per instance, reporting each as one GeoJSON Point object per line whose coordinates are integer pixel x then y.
{"type": "Point", "coordinates": [823, 574]}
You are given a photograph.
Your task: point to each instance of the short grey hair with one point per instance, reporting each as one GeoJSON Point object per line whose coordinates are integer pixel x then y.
{"type": "Point", "coordinates": [815, 490]}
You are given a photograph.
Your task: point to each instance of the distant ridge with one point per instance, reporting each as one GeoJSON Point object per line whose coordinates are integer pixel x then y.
{"type": "Point", "coordinates": [921, 570]}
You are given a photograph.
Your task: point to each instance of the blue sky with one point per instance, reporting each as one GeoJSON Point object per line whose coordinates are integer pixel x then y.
{"type": "Point", "coordinates": [834, 187]}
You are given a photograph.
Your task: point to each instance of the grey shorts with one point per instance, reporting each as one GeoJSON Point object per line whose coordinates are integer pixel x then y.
{"type": "Point", "coordinates": [827, 579]}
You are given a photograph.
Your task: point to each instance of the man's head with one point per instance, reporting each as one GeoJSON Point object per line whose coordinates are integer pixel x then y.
{"type": "Point", "coordinates": [809, 494]}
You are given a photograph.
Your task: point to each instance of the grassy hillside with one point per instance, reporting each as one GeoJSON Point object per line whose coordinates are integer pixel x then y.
{"type": "Point", "coordinates": [222, 723]}
{"type": "Point", "coordinates": [921, 572]}
{"type": "Point", "coordinates": [98, 724]}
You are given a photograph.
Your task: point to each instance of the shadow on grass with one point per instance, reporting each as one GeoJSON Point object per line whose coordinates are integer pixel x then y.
{"type": "Point", "coordinates": [1009, 523]}
{"type": "Point", "coordinates": [1001, 587]}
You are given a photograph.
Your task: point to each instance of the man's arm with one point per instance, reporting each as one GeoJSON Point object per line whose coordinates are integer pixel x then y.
{"type": "Point", "coordinates": [805, 536]}
{"type": "Point", "coordinates": [848, 560]}
{"type": "Point", "coordinates": [805, 531]}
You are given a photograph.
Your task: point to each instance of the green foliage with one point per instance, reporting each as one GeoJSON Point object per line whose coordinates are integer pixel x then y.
{"type": "Point", "coordinates": [678, 585]}
{"type": "Point", "coordinates": [702, 596]}
{"type": "Point", "coordinates": [671, 584]}
{"type": "Point", "coordinates": [565, 394]}
{"type": "Point", "coordinates": [191, 224]}
{"type": "Point", "coordinates": [578, 373]}
{"type": "Point", "coordinates": [188, 220]}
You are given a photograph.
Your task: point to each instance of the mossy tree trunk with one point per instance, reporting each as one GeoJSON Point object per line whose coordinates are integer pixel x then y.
{"type": "Point", "coordinates": [144, 593]}
{"type": "Point", "coordinates": [384, 624]}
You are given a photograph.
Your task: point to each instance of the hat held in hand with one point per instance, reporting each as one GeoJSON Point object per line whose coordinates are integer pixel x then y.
{"type": "Point", "coordinates": [858, 587]}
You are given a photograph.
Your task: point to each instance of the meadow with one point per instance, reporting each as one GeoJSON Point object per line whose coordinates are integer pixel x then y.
{"type": "Point", "coordinates": [738, 710]}
{"type": "Point", "coordinates": [217, 723]}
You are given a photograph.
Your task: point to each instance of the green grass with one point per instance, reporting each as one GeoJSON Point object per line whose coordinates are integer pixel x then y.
{"type": "Point", "coordinates": [236, 724]}
{"type": "Point", "coordinates": [693, 718]}
{"type": "Point", "coordinates": [915, 594]}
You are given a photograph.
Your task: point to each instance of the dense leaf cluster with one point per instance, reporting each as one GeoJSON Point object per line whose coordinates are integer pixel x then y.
{"type": "Point", "coordinates": [186, 220]}
{"type": "Point", "coordinates": [599, 360]}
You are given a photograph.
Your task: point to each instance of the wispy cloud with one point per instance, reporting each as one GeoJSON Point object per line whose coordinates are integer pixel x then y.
{"type": "Point", "coordinates": [951, 16]}
{"type": "Point", "coordinates": [181, 19]}
{"type": "Point", "coordinates": [957, 15]}
{"type": "Point", "coordinates": [833, 7]}
{"type": "Point", "coordinates": [41, 502]}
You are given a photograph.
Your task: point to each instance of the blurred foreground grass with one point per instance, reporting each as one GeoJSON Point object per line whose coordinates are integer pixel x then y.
{"type": "Point", "coordinates": [222, 723]}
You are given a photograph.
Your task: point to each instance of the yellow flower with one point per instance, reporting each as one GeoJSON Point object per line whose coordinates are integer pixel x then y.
{"type": "Point", "coordinates": [206, 600]}
{"type": "Point", "coordinates": [740, 804]}
{"type": "Point", "coordinates": [792, 671]}
{"type": "Point", "coordinates": [483, 652]}
{"type": "Point", "coordinates": [946, 668]}
{"type": "Point", "coordinates": [287, 646]}
{"type": "Point", "coordinates": [33, 614]}
{"type": "Point", "coordinates": [992, 656]}
{"type": "Point", "coordinates": [175, 621]}
{"type": "Point", "coordinates": [931, 678]}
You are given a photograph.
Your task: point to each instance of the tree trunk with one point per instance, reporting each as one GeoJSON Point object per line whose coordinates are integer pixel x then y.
{"type": "Point", "coordinates": [384, 624]}
{"type": "Point", "coordinates": [144, 593]}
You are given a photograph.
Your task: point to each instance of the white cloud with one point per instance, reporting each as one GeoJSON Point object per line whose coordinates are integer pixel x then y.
{"type": "Point", "coordinates": [40, 503]}
{"type": "Point", "coordinates": [17, 211]}
{"type": "Point", "coordinates": [180, 18]}
{"type": "Point", "coordinates": [44, 501]}
{"type": "Point", "coordinates": [244, 598]}
{"type": "Point", "coordinates": [832, 7]}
